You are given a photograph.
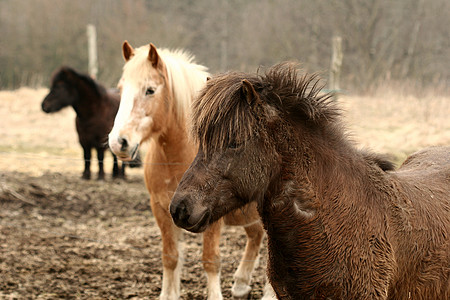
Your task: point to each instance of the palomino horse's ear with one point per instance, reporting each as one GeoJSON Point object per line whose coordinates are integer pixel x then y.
{"type": "Point", "coordinates": [153, 56]}
{"type": "Point", "coordinates": [127, 51]}
{"type": "Point", "coordinates": [249, 92]}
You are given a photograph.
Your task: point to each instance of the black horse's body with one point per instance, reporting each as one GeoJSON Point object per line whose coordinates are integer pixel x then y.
{"type": "Point", "coordinates": [96, 109]}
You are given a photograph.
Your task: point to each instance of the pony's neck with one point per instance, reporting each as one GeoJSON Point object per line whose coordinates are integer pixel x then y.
{"type": "Point", "coordinates": [172, 142]}
{"type": "Point", "coordinates": [315, 167]}
{"type": "Point", "coordinates": [311, 181]}
{"type": "Point", "coordinates": [87, 98]}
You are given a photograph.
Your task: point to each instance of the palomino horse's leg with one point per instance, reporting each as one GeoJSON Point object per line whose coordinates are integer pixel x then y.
{"type": "Point", "coordinates": [100, 157]}
{"type": "Point", "coordinates": [171, 254]}
{"type": "Point", "coordinates": [211, 259]}
{"type": "Point", "coordinates": [87, 162]}
{"type": "Point", "coordinates": [255, 234]}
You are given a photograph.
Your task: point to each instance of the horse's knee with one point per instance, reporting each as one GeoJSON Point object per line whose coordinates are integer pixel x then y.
{"type": "Point", "coordinates": [255, 232]}
{"type": "Point", "coordinates": [170, 261]}
{"type": "Point", "coordinates": [211, 251]}
{"type": "Point", "coordinates": [211, 264]}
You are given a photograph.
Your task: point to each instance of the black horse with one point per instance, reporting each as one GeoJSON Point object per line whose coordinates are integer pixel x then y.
{"type": "Point", "coordinates": [96, 109]}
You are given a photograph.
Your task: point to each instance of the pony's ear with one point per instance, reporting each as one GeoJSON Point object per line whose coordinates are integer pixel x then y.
{"type": "Point", "coordinates": [249, 92]}
{"type": "Point", "coordinates": [127, 51]}
{"type": "Point", "coordinates": [153, 56]}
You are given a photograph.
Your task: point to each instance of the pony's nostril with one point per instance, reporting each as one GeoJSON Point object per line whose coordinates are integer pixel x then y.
{"type": "Point", "coordinates": [179, 212]}
{"type": "Point", "coordinates": [123, 143]}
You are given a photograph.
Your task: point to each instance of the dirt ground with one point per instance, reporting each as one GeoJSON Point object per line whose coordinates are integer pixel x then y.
{"type": "Point", "coordinates": [62, 237]}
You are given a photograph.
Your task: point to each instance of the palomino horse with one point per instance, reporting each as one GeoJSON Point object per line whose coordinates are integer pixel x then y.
{"type": "Point", "coordinates": [338, 225]}
{"type": "Point", "coordinates": [96, 108]}
{"type": "Point", "coordinates": [157, 90]}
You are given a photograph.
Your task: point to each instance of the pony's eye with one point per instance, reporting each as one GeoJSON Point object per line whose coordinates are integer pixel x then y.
{"type": "Point", "coordinates": [233, 145]}
{"type": "Point", "coordinates": [149, 91]}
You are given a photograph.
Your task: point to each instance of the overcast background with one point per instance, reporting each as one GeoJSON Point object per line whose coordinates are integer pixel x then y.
{"type": "Point", "coordinates": [403, 41]}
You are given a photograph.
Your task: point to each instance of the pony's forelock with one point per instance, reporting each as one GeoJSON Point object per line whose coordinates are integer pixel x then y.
{"type": "Point", "coordinates": [221, 115]}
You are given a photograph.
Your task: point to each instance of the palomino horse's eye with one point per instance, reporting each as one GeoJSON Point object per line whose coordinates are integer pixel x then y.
{"type": "Point", "coordinates": [149, 91]}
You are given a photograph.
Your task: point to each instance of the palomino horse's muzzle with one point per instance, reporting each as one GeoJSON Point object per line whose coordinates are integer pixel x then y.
{"type": "Point", "coordinates": [121, 147]}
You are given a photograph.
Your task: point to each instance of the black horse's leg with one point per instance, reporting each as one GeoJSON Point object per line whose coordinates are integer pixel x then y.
{"type": "Point", "coordinates": [87, 163]}
{"type": "Point", "coordinates": [122, 170]}
{"type": "Point", "coordinates": [100, 156]}
{"type": "Point", "coordinates": [115, 167]}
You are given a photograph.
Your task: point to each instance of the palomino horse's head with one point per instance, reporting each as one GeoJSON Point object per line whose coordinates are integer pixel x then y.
{"type": "Point", "coordinates": [156, 90]}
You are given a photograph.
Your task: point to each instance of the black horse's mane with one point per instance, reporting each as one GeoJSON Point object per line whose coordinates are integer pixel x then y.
{"type": "Point", "coordinates": [67, 74]}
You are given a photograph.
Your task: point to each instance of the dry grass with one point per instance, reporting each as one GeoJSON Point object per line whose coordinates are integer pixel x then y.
{"type": "Point", "coordinates": [36, 142]}
{"type": "Point", "coordinates": [389, 122]}
{"type": "Point", "coordinates": [398, 124]}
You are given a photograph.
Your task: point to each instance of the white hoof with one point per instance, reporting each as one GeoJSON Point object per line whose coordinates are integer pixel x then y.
{"type": "Point", "coordinates": [269, 293]}
{"type": "Point", "coordinates": [215, 296]}
{"type": "Point", "coordinates": [240, 290]}
{"type": "Point", "coordinates": [168, 297]}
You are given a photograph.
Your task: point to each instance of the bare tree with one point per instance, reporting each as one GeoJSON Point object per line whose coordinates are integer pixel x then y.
{"type": "Point", "coordinates": [401, 40]}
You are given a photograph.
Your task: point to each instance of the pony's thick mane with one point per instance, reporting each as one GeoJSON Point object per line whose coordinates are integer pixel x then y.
{"type": "Point", "coordinates": [221, 116]}
{"type": "Point", "coordinates": [299, 96]}
{"type": "Point", "coordinates": [65, 72]}
{"type": "Point", "coordinates": [186, 78]}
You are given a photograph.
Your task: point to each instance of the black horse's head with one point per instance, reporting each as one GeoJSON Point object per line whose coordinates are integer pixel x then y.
{"type": "Point", "coordinates": [63, 90]}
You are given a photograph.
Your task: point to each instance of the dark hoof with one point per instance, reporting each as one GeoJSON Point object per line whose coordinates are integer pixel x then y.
{"type": "Point", "coordinates": [86, 176]}
{"type": "Point", "coordinates": [119, 176]}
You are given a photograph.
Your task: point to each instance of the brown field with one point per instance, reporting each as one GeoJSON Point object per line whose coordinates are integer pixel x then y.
{"type": "Point", "coordinates": [65, 238]}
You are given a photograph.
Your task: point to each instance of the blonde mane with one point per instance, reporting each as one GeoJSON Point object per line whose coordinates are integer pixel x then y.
{"type": "Point", "coordinates": [186, 78]}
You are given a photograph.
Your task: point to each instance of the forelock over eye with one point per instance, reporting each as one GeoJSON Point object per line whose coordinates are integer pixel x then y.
{"type": "Point", "coordinates": [233, 145]}
{"type": "Point", "coordinates": [149, 91]}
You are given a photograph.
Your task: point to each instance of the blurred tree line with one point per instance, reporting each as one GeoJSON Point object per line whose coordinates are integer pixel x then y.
{"type": "Point", "coordinates": [404, 40]}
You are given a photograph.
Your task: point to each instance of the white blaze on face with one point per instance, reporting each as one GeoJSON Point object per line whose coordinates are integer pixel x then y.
{"type": "Point", "coordinates": [129, 92]}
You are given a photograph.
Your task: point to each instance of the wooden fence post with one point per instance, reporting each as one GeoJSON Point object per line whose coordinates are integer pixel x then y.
{"type": "Point", "coordinates": [335, 66]}
{"type": "Point", "coordinates": [92, 50]}
{"type": "Point", "coordinates": [224, 41]}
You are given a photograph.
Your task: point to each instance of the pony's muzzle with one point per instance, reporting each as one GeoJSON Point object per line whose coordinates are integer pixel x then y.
{"type": "Point", "coordinates": [187, 215]}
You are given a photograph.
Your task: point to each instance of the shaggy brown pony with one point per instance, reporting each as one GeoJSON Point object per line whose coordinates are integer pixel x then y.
{"type": "Point", "coordinates": [340, 223]}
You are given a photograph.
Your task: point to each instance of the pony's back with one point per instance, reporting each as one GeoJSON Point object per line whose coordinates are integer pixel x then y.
{"type": "Point", "coordinates": [423, 182]}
